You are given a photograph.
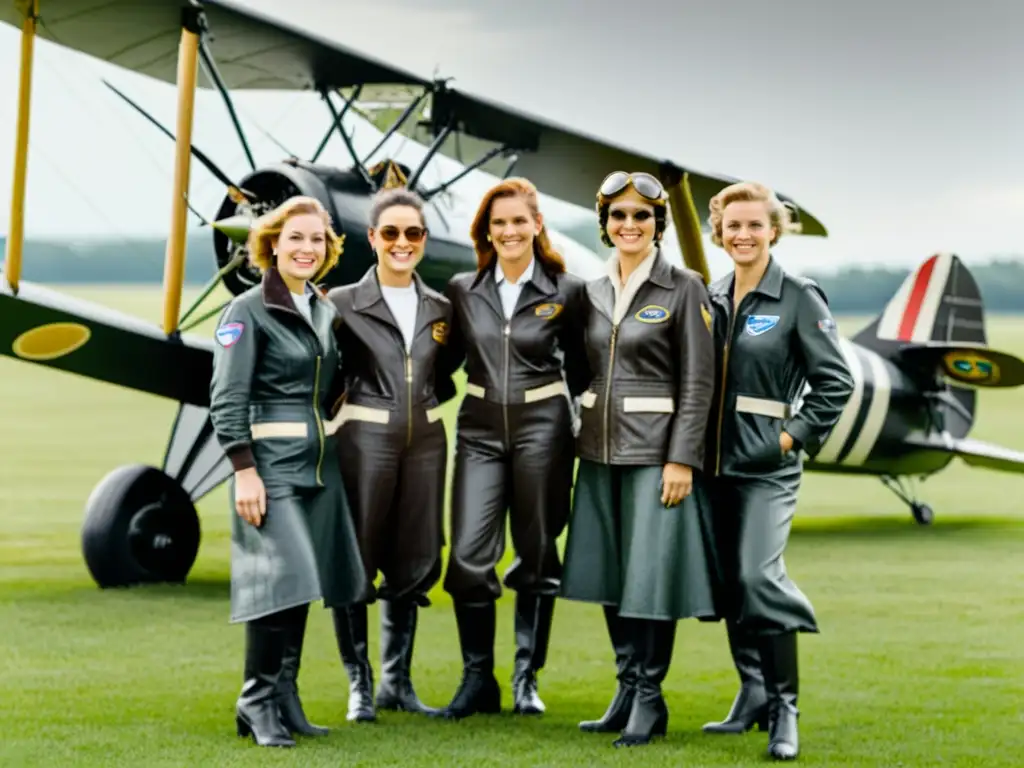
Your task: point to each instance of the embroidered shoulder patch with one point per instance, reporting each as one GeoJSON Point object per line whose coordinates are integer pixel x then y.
{"type": "Point", "coordinates": [706, 315]}
{"type": "Point", "coordinates": [652, 313]}
{"type": "Point", "coordinates": [439, 332]}
{"type": "Point", "coordinates": [229, 333]}
{"type": "Point", "coordinates": [826, 325]}
{"type": "Point", "coordinates": [758, 324]}
{"type": "Point", "coordinates": [548, 311]}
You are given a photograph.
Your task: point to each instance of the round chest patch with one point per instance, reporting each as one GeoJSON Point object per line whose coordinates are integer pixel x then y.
{"type": "Point", "coordinates": [652, 313]}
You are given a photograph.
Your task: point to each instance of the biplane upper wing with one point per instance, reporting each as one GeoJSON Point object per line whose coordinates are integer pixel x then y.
{"type": "Point", "coordinates": [256, 50]}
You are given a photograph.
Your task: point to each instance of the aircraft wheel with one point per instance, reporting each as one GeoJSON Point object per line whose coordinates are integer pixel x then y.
{"type": "Point", "coordinates": [140, 527]}
{"type": "Point", "coordinates": [922, 513]}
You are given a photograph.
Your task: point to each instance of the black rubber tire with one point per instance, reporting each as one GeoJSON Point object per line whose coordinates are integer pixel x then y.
{"type": "Point", "coordinates": [922, 513]}
{"type": "Point", "coordinates": [140, 528]}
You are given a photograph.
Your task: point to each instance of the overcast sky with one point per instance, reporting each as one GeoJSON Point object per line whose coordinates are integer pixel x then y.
{"type": "Point", "coordinates": [899, 123]}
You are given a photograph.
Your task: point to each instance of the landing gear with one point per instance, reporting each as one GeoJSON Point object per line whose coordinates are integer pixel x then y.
{"type": "Point", "coordinates": [922, 513]}
{"type": "Point", "coordinates": [140, 527]}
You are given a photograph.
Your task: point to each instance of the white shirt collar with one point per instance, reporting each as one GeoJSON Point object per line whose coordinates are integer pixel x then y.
{"type": "Point", "coordinates": [499, 274]}
{"type": "Point", "coordinates": [639, 275]}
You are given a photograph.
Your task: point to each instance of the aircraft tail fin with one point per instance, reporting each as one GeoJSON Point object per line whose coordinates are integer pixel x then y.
{"type": "Point", "coordinates": [937, 302]}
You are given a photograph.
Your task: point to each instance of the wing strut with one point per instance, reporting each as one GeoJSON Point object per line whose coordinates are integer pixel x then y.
{"type": "Point", "coordinates": [684, 216]}
{"type": "Point", "coordinates": [326, 96]}
{"type": "Point", "coordinates": [174, 261]}
{"type": "Point", "coordinates": [16, 236]}
{"type": "Point", "coordinates": [210, 65]}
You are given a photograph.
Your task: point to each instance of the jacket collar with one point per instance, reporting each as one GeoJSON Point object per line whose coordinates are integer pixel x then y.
{"type": "Point", "coordinates": [770, 284]}
{"type": "Point", "coordinates": [540, 285]}
{"type": "Point", "coordinates": [369, 299]}
{"type": "Point", "coordinates": [602, 292]}
{"type": "Point", "coordinates": [276, 294]}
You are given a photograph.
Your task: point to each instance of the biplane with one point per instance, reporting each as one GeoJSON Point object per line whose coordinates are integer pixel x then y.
{"type": "Point", "coordinates": [916, 367]}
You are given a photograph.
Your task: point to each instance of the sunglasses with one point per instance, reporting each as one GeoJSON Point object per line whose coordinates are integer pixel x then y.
{"type": "Point", "coordinates": [648, 186]}
{"type": "Point", "coordinates": [413, 234]}
{"type": "Point", "coordinates": [620, 215]}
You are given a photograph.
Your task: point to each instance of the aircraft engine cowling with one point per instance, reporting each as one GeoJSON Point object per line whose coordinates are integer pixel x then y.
{"type": "Point", "coordinates": [272, 186]}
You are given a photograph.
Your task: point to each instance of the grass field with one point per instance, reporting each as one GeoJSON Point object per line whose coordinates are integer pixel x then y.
{"type": "Point", "coordinates": [920, 661]}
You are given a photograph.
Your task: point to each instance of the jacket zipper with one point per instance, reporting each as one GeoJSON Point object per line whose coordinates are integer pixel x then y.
{"type": "Point", "coordinates": [316, 417]}
{"type": "Point", "coordinates": [721, 399]}
{"type": "Point", "coordinates": [608, 395]}
{"type": "Point", "coordinates": [408, 399]}
{"type": "Point", "coordinates": [504, 399]}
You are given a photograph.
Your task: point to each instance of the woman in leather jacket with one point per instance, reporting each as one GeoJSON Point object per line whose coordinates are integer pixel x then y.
{"type": "Point", "coordinates": [392, 448]}
{"type": "Point", "coordinates": [775, 336]}
{"type": "Point", "coordinates": [517, 325]}
{"type": "Point", "coordinates": [292, 540]}
{"type": "Point", "coordinates": [640, 536]}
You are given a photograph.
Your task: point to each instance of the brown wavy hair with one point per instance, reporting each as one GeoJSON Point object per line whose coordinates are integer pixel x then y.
{"type": "Point", "coordinates": [478, 231]}
{"type": "Point", "coordinates": [747, 192]}
{"type": "Point", "coordinates": [268, 228]}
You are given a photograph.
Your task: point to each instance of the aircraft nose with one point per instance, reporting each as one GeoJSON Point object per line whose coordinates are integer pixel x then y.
{"type": "Point", "coordinates": [235, 227]}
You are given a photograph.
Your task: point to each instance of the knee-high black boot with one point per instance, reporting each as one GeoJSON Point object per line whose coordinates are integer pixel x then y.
{"type": "Point", "coordinates": [782, 683]}
{"type": "Point", "coordinates": [648, 716]}
{"type": "Point", "coordinates": [478, 691]}
{"type": "Point", "coordinates": [350, 630]}
{"type": "Point", "coordinates": [751, 703]}
{"type": "Point", "coordinates": [256, 711]}
{"type": "Point", "coordinates": [617, 714]}
{"type": "Point", "coordinates": [292, 714]}
{"type": "Point", "coordinates": [397, 635]}
{"type": "Point", "coordinates": [533, 631]}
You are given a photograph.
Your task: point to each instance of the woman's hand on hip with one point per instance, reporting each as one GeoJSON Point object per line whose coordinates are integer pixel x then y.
{"type": "Point", "coordinates": [676, 483]}
{"type": "Point", "coordinates": [250, 496]}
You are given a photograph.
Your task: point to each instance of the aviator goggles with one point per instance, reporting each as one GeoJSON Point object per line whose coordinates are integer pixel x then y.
{"type": "Point", "coordinates": [648, 186]}
{"type": "Point", "coordinates": [389, 234]}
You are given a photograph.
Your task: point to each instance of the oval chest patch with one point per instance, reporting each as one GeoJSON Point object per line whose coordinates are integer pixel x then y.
{"type": "Point", "coordinates": [652, 313]}
{"type": "Point", "coordinates": [548, 311]}
{"type": "Point", "coordinates": [758, 324]}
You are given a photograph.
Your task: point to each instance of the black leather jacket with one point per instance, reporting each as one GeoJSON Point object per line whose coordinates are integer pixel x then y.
{"type": "Point", "coordinates": [506, 359]}
{"type": "Point", "coordinates": [272, 376]}
{"type": "Point", "coordinates": [781, 340]}
{"type": "Point", "coordinates": [376, 369]}
{"type": "Point", "coordinates": [653, 380]}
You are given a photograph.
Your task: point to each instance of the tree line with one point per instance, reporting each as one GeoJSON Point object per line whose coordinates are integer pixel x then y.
{"type": "Point", "coordinates": [854, 290]}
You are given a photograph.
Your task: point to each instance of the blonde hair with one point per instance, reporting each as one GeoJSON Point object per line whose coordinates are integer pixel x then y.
{"type": "Point", "coordinates": [747, 192]}
{"type": "Point", "coordinates": [268, 228]}
{"type": "Point", "coordinates": [478, 231]}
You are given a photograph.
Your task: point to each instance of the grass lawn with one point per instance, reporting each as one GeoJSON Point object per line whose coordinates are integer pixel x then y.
{"type": "Point", "coordinates": [920, 661]}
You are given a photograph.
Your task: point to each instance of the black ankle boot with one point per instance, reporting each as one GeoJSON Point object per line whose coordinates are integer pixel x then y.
{"type": "Point", "coordinates": [782, 683]}
{"type": "Point", "coordinates": [256, 712]}
{"type": "Point", "coordinates": [350, 631]}
{"type": "Point", "coordinates": [397, 635]}
{"type": "Point", "coordinates": [288, 701]}
{"type": "Point", "coordinates": [478, 691]}
{"type": "Point", "coordinates": [649, 715]}
{"type": "Point", "coordinates": [750, 706]}
{"type": "Point", "coordinates": [617, 714]}
{"type": "Point", "coordinates": [533, 630]}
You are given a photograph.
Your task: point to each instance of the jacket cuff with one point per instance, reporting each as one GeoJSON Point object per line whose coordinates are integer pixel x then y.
{"type": "Point", "coordinates": [685, 456]}
{"type": "Point", "coordinates": [240, 456]}
{"type": "Point", "coordinates": [802, 435]}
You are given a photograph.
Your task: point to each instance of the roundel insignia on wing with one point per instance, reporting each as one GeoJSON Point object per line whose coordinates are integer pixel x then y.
{"type": "Point", "coordinates": [51, 341]}
{"type": "Point", "coordinates": [230, 333]}
{"type": "Point", "coordinates": [652, 313]}
{"type": "Point", "coordinates": [971, 367]}
{"type": "Point", "coordinates": [548, 311]}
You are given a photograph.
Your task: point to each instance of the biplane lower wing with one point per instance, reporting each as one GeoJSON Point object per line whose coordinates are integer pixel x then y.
{"type": "Point", "coordinates": [49, 328]}
{"type": "Point", "coordinates": [976, 453]}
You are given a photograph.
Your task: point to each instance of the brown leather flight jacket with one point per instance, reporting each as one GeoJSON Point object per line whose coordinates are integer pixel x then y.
{"type": "Point", "coordinates": [512, 361]}
{"type": "Point", "coordinates": [654, 372]}
{"type": "Point", "coordinates": [376, 370]}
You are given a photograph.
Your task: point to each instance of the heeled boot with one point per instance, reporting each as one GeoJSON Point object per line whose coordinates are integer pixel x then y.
{"type": "Point", "coordinates": [648, 716]}
{"type": "Point", "coordinates": [350, 631]}
{"type": "Point", "coordinates": [478, 691]}
{"type": "Point", "coordinates": [617, 714]}
{"type": "Point", "coordinates": [750, 706]}
{"type": "Point", "coordinates": [397, 636]}
{"type": "Point", "coordinates": [782, 684]}
{"type": "Point", "coordinates": [256, 711]}
{"type": "Point", "coordinates": [533, 631]}
{"type": "Point", "coordinates": [288, 701]}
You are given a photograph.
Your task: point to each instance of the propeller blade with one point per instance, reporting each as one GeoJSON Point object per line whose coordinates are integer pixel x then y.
{"type": "Point", "coordinates": [686, 220]}
{"type": "Point", "coordinates": [234, 190]}
{"type": "Point", "coordinates": [236, 228]}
